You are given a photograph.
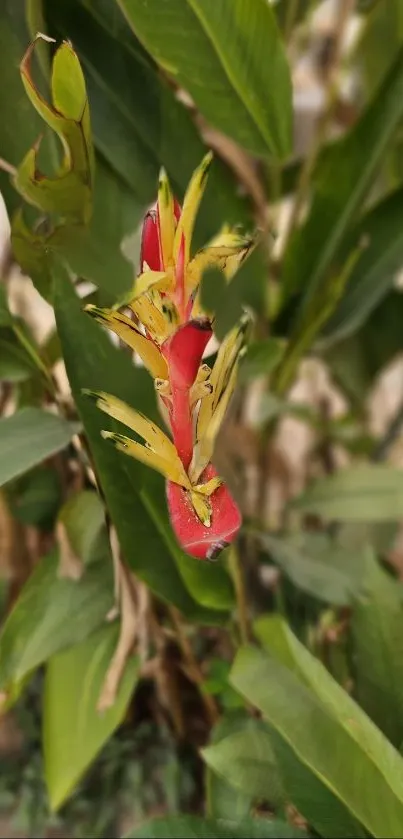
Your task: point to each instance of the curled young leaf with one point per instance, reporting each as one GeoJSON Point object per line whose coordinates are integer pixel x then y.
{"type": "Point", "coordinates": [69, 192]}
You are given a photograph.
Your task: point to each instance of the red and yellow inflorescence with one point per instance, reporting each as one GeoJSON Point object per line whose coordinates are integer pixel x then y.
{"type": "Point", "coordinates": [170, 334]}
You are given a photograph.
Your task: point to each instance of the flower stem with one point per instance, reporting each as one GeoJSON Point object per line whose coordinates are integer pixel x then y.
{"type": "Point", "coordinates": [240, 592]}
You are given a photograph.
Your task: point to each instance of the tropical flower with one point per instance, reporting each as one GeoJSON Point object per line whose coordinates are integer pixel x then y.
{"type": "Point", "coordinates": [170, 334]}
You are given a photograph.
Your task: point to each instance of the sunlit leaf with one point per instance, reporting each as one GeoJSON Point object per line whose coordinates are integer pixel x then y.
{"type": "Point", "coordinates": [74, 730]}
{"type": "Point", "coordinates": [226, 55]}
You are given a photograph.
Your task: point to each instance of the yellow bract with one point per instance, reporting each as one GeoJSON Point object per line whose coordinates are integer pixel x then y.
{"type": "Point", "coordinates": [167, 220]}
{"type": "Point", "coordinates": [202, 507]}
{"type": "Point", "coordinates": [158, 450]}
{"type": "Point", "coordinates": [128, 332]}
{"type": "Point", "coordinates": [191, 203]}
{"type": "Point", "coordinates": [156, 280]}
{"type": "Point", "coordinates": [214, 405]}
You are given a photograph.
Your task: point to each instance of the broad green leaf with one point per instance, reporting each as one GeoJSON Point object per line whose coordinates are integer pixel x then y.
{"type": "Point", "coordinates": [69, 192]}
{"type": "Point", "coordinates": [224, 801]}
{"type": "Point", "coordinates": [134, 495]}
{"type": "Point", "coordinates": [356, 361]}
{"type": "Point", "coordinates": [318, 565]}
{"type": "Point", "coordinates": [193, 827]}
{"type": "Point", "coordinates": [368, 492]}
{"type": "Point", "coordinates": [52, 613]}
{"type": "Point", "coordinates": [328, 733]}
{"type": "Point", "coordinates": [281, 642]}
{"type": "Point", "coordinates": [28, 437]}
{"type": "Point", "coordinates": [320, 806]}
{"type": "Point", "coordinates": [341, 182]}
{"type": "Point", "coordinates": [84, 519]}
{"type": "Point", "coordinates": [137, 121]}
{"type": "Point", "coordinates": [245, 759]}
{"type": "Point", "coordinates": [261, 358]}
{"type": "Point", "coordinates": [375, 271]}
{"type": "Point", "coordinates": [226, 55]}
{"type": "Point", "coordinates": [74, 730]}
{"type": "Point", "coordinates": [377, 629]}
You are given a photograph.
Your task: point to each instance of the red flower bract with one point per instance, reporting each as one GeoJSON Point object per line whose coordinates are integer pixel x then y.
{"type": "Point", "coordinates": [196, 539]}
{"type": "Point", "coordinates": [171, 336]}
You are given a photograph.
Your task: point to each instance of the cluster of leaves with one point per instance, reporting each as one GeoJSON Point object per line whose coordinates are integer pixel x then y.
{"type": "Point", "coordinates": [320, 753]}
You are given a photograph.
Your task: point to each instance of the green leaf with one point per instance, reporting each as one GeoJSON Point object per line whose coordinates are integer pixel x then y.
{"type": "Point", "coordinates": [226, 55]}
{"type": "Point", "coordinates": [193, 827]}
{"type": "Point", "coordinates": [384, 25]}
{"type": "Point", "coordinates": [261, 358]}
{"type": "Point", "coordinates": [84, 519]}
{"type": "Point", "coordinates": [36, 497]}
{"type": "Point", "coordinates": [52, 613]}
{"type": "Point", "coordinates": [69, 193]}
{"type": "Point", "coordinates": [377, 629]}
{"type": "Point", "coordinates": [137, 121]}
{"type": "Point", "coordinates": [321, 808]}
{"type": "Point", "coordinates": [22, 126]}
{"type": "Point", "coordinates": [6, 318]}
{"type": "Point", "coordinates": [375, 271]}
{"type": "Point", "coordinates": [245, 759]}
{"type": "Point", "coordinates": [134, 495]}
{"type": "Point", "coordinates": [318, 565]}
{"type": "Point", "coordinates": [224, 801]}
{"type": "Point", "coordinates": [328, 733]}
{"type": "Point", "coordinates": [368, 492]}
{"type": "Point", "coordinates": [15, 363]}
{"type": "Point", "coordinates": [74, 730]}
{"type": "Point", "coordinates": [95, 252]}
{"type": "Point", "coordinates": [342, 180]}
{"type": "Point", "coordinates": [28, 437]}
{"type": "Point", "coordinates": [356, 361]}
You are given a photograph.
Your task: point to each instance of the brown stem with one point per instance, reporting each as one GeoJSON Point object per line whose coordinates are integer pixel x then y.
{"type": "Point", "coordinates": [192, 665]}
{"type": "Point", "coordinates": [7, 167]}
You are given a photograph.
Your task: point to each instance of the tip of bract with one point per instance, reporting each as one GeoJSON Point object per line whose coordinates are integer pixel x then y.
{"type": "Point", "coordinates": [196, 539]}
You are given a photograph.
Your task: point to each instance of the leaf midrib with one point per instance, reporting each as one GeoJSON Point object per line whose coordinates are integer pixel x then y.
{"type": "Point", "coordinates": [234, 82]}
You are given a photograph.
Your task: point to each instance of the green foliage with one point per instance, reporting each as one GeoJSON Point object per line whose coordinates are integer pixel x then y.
{"type": "Point", "coordinates": [318, 565]}
{"type": "Point", "coordinates": [327, 732]}
{"type": "Point", "coordinates": [377, 633]}
{"type": "Point", "coordinates": [29, 436]}
{"type": "Point", "coordinates": [371, 492]}
{"type": "Point", "coordinates": [221, 709]}
{"type": "Point", "coordinates": [342, 181]}
{"type": "Point", "coordinates": [233, 49]}
{"type": "Point", "coordinates": [136, 508]}
{"type": "Point", "coordinates": [196, 828]}
{"type": "Point", "coordinates": [74, 728]}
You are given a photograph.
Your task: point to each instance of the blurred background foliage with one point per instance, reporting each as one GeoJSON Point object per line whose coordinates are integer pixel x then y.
{"type": "Point", "coordinates": [263, 695]}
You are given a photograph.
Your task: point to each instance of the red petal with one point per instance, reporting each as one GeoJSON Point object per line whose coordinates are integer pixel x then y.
{"type": "Point", "coordinates": [196, 539]}
{"type": "Point", "coordinates": [184, 351]}
{"type": "Point", "coordinates": [150, 243]}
